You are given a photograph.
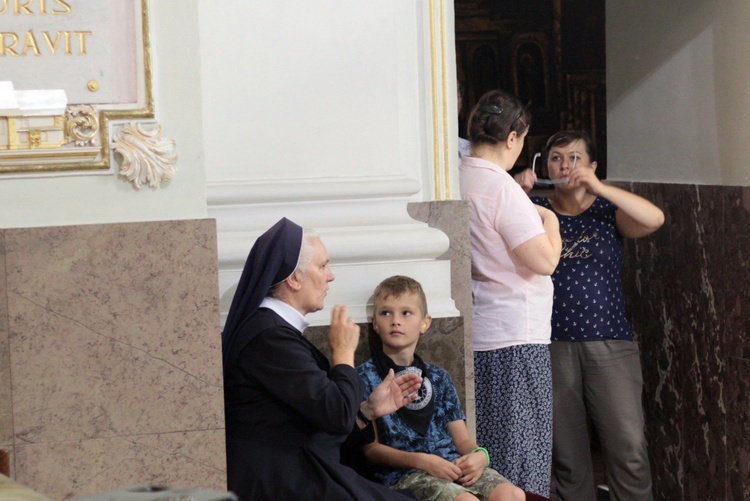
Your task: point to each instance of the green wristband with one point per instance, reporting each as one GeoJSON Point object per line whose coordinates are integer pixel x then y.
{"type": "Point", "coordinates": [486, 453]}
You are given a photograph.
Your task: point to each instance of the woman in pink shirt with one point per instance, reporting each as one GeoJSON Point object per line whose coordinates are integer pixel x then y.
{"type": "Point", "coordinates": [515, 247]}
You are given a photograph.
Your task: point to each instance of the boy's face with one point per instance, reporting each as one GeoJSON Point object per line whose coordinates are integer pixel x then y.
{"type": "Point", "coordinates": [399, 322]}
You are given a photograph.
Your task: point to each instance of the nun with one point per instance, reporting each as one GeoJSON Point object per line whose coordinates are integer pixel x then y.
{"type": "Point", "coordinates": [288, 409]}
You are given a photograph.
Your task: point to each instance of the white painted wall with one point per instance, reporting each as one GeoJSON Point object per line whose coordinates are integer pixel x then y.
{"type": "Point", "coordinates": [322, 112]}
{"type": "Point", "coordinates": [62, 199]}
{"type": "Point", "coordinates": [678, 91]}
{"type": "Point", "coordinates": [306, 90]}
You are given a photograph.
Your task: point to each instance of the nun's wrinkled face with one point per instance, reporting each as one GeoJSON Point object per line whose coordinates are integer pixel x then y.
{"type": "Point", "coordinates": [314, 280]}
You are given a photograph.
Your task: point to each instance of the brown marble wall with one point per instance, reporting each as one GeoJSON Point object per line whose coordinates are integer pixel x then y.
{"type": "Point", "coordinates": [452, 218]}
{"type": "Point", "coordinates": [688, 288]}
{"type": "Point", "coordinates": [110, 356]}
{"type": "Point", "coordinates": [6, 414]}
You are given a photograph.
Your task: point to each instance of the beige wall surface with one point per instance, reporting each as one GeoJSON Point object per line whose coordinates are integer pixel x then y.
{"type": "Point", "coordinates": [110, 357]}
{"type": "Point", "coordinates": [677, 100]}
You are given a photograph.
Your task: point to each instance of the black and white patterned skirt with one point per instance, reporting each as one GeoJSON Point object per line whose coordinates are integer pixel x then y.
{"type": "Point", "coordinates": [514, 413]}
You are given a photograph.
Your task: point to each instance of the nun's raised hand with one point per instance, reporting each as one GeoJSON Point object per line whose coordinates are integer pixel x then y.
{"type": "Point", "coordinates": [343, 337]}
{"type": "Point", "coordinates": [392, 394]}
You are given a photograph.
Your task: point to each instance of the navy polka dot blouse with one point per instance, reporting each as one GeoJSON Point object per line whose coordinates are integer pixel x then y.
{"type": "Point", "coordinates": [589, 303]}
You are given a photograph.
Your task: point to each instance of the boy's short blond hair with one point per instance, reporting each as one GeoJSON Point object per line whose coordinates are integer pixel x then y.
{"type": "Point", "coordinates": [398, 285]}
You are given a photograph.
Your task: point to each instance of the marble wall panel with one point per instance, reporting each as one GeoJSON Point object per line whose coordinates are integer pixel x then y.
{"type": "Point", "coordinates": [65, 469]}
{"type": "Point", "coordinates": [115, 350]}
{"type": "Point", "coordinates": [6, 408]}
{"type": "Point", "coordinates": [684, 286]}
{"type": "Point", "coordinates": [704, 386]}
{"type": "Point", "coordinates": [659, 330]}
{"type": "Point", "coordinates": [452, 218]}
{"type": "Point", "coordinates": [6, 416]}
{"type": "Point", "coordinates": [736, 277]}
{"type": "Point", "coordinates": [736, 265]}
{"type": "Point", "coordinates": [738, 428]}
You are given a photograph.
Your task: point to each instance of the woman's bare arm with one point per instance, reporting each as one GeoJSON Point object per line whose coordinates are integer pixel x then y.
{"type": "Point", "coordinates": [542, 253]}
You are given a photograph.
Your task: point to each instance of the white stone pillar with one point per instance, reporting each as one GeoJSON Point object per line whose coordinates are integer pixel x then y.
{"type": "Point", "coordinates": [336, 115]}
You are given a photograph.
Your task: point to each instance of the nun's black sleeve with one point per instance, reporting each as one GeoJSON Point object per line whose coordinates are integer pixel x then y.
{"type": "Point", "coordinates": [297, 375]}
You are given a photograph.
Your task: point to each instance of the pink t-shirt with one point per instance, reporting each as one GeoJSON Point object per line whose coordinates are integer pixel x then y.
{"type": "Point", "coordinates": [512, 304]}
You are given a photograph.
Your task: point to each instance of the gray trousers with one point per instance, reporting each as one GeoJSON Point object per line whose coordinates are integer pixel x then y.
{"type": "Point", "coordinates": [603, 379]}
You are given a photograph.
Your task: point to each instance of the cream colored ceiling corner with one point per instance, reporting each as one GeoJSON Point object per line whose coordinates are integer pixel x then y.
{"type": "Point", "coordinates": [71, 70]}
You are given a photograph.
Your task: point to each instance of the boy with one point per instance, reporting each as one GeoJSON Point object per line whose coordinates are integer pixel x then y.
{"type": "Point", "coordinates": [425, 446]}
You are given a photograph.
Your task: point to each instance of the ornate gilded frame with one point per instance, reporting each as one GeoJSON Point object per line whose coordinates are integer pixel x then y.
{"type": "Point", "coordinates": [89, 124]}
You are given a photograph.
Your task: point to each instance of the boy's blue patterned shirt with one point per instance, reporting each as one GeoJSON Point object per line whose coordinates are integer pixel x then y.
{"type": "Point", "coordinates": [393, 432]}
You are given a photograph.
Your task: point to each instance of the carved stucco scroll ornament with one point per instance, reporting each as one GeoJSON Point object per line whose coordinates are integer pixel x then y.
{"type": "Point", "coordinates": [148, 156]}
{"type": "Point", "coordinates": [83, 125]}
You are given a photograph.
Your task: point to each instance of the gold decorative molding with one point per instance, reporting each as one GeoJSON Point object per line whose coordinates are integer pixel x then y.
{"type": "Point", "coordinates": [444, 82]}
{"type": "Point", "coordinates": [83, 125]}
{"type": "Point", "coordinates": [433, 87]}
{"type": "Point", "coordinates": [439, 90]}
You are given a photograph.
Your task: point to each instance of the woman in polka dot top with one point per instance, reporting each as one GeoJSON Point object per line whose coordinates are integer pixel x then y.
{"type": "Point", "coordinates": [595, 362]}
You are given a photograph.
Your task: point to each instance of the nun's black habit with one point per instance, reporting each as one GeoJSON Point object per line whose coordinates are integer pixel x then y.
{"type": "Point", "coordinates": [287, 411]}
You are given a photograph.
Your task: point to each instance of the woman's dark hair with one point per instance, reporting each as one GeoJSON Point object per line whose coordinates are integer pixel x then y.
{"type": "Point", "coordinates": [495, 116]}
{"type": "Point", "coordinates": [565, 137]}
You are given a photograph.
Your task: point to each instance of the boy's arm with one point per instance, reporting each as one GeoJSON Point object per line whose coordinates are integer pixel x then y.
{"type": "Point", "coordinates": [472, 464]}
{"type": "Point", "coordinates": [461, 439]}
{"type": "Point", "coordinates": [383, 455]}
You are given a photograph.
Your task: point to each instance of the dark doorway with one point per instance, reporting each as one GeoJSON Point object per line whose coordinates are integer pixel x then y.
{"type": "Point", "coordinates": [549, 53]}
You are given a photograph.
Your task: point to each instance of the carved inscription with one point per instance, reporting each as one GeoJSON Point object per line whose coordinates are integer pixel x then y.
{"type": "Point", "coordinates": [40, 43]}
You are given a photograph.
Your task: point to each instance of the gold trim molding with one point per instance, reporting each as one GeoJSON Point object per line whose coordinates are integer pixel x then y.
{"type": "Point", "coordinates": [439, 89]}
